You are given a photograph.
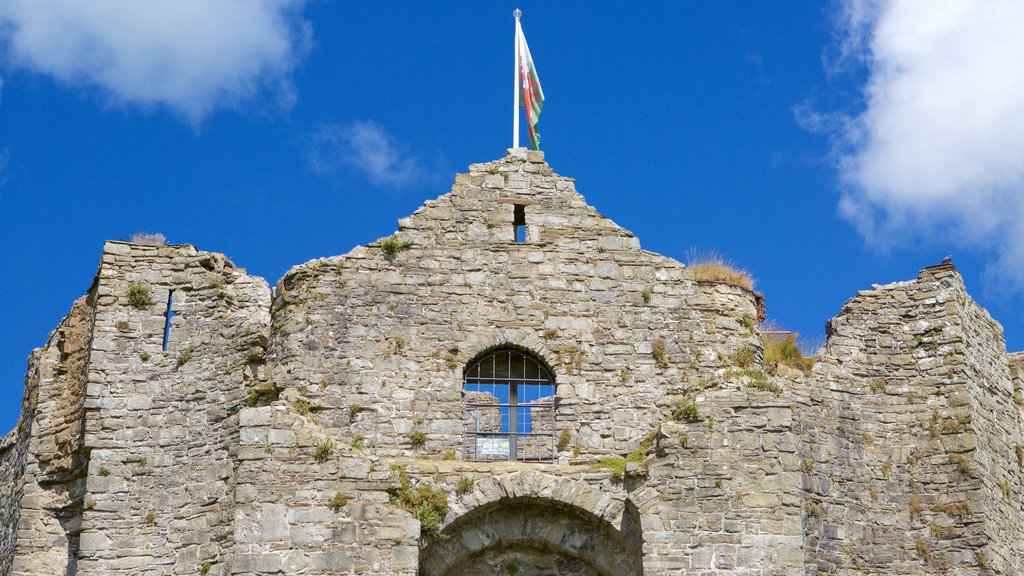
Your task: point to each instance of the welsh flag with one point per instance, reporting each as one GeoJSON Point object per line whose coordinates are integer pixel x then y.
{"type": "Point", "coordinates": [531, 96]}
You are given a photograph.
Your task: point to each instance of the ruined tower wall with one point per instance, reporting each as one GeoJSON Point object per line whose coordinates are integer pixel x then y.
{"type": "Point", "coordinates": [161, 425]}
{"type": "Point", "coordinates": [892, 432]}
{"type": "Point", "coordinates": [13, 457]}
{"type": "Point", "coordinates": [53, 478]}
{"type": "Point", "coordinates": [997, 420]}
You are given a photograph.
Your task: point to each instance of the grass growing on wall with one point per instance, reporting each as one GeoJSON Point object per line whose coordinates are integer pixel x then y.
{"type": "Point", "coordinates": [785, 352]}
{"type": "Point", "coordinates": [710, 266]}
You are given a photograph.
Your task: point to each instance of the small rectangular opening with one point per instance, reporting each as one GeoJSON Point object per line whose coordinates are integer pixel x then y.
{"type": "Point", "coordinates": [519, 222]}
{"type": "Point", "coordinates": [168, 315]}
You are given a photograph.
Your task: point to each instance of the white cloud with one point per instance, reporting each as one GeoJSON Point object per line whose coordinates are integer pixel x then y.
{"type": "Point", "coordinates": [368, 148]}
{"type": "Point", "coordinates": [192, 56]}
{"type": "Point", "coordinates": [937, 154]}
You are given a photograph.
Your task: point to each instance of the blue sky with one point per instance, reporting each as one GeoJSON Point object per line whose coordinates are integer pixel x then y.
{"type": "Point", "coordinates": [822, 146]}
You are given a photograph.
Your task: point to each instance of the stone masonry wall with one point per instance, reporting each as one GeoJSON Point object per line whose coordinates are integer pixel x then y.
{"type": "Point", "coordinates": [367, 351]}
{"type": "Point", "coordinates": [162, 425]}
{"type": "Point", "coordinates": [997, 421]}
{"type": "Point", "coordinates": [913, 390]}
{"type": "Point", "coordinates": [13, 457]}
{"type": "Point", "coordinates": [53, 479]}
{"type": "Point", "coordinates": [375, 343]}
{"type": "Point", "coordinates": [317, 429]}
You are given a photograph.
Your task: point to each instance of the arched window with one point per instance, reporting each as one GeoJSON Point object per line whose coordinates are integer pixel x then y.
{"type": "Point", "coordinates": [509, 407]}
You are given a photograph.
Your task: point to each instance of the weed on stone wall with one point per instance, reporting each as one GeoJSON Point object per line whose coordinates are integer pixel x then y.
{"type": "Point", "coordinates": [139, 296]}
{"type": "Point", "coordinates": [744, 357]}
{"type": "Point", "coordinates": [338, 501]}
{"type": "Point", "coordinates": [393, 245]}
{"type": "Point", "coordinates": [959, 509]}
{"type": "Point", "coordinates": [710, 266]}
{"type": "Point", "coordinates": [185, 356]}
{"type": "Point", "coordinates": [922, 549]}
{"type": "Point", "coordinates": [686, 409]}
{"type": "Point", "coordinates": [915, 507]}
{"type": "Point", "coordinates": [323, 451]}
{"type": "Point", "coordinates": [658, 353]}
{"type": "Point", "coordinates": [785, 352]}
{"type": "Point", "coordinates": [357, 442]}
{"type": "Point", "coordinates": [428, 504]}
{"type": "Point", "coordinates": [563, 440]}
{"type": "Point", "coordinates": [465, 486]}
{"type": "Point", "coordinates": [617, 465]}
{"type": "Point", "coordinates": [417, 438]}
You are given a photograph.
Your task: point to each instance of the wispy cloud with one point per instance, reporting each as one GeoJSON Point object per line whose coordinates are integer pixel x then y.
{"type": "Point", "coordinates": [369, 149]}
{"type": "Point", "coordinates": [191, 56]}
{"type": "Point", "coordinates": [937, 153]}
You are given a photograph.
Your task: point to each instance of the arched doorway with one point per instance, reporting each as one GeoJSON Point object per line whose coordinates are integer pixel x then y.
{"type": "Point", "coordinates": [531, 536]}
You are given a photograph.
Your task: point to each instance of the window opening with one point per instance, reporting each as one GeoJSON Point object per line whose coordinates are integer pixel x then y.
{"type": "Point", "coordinates": [519, 222]}
{"type": "Point", "coordinates": [168, 315]}
{"type": "Point", "coordinates": [509, 408]}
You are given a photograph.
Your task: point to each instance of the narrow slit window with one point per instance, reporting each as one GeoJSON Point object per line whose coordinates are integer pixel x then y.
{"type": "Point", "coordinates": [168, 315]}
{"type": "Point", "coordinates": [519, 222]}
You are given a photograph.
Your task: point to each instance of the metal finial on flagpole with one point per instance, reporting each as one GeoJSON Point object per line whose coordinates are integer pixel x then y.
{"type": "Point", "coordinates": [517, 13]}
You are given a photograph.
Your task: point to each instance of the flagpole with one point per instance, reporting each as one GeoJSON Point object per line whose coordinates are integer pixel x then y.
{"type": "Point", "coordinates": [515, 91]}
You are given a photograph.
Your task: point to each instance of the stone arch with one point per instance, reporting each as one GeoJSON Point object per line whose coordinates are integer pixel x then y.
{"type": "Point", "coordinates": [541, 521]}
{"type": "Point", "coordinates": [479, 344]}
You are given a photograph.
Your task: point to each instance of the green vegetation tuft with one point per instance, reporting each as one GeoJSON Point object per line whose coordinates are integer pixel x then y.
{"type": "Point", "coordinates": [139, 296]}
{"type": "Point", "coordinates": [744, 357]}
{"type": "Point", "coordinates": [393, 245]}
{"type": "Point", "coordinates": [418, 438]}
{"type": "Point", "coordinates": [357, 442]}
{"type": "Point", "coordinates": [465, 486]}
{"type": "Point", "coordinates": [617, 464]}
{"type": "Point", "coordinates": [323, 451]}
{"type": "Point", "coordinates": [428, 504]}
{"type": "Point", "coordinates": [185, 356]}
{"type": "Point", "coordinates": [686, 410]}
{"type": "Point", "coordinates": [786, 352]}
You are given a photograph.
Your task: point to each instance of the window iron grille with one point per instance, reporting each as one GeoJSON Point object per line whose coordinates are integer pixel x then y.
{"type": "Point", "coordinates": [509, 408]}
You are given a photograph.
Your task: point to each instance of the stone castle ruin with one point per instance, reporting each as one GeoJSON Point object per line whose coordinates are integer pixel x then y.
{"type": "Point", "coordinates": [508, 385]}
